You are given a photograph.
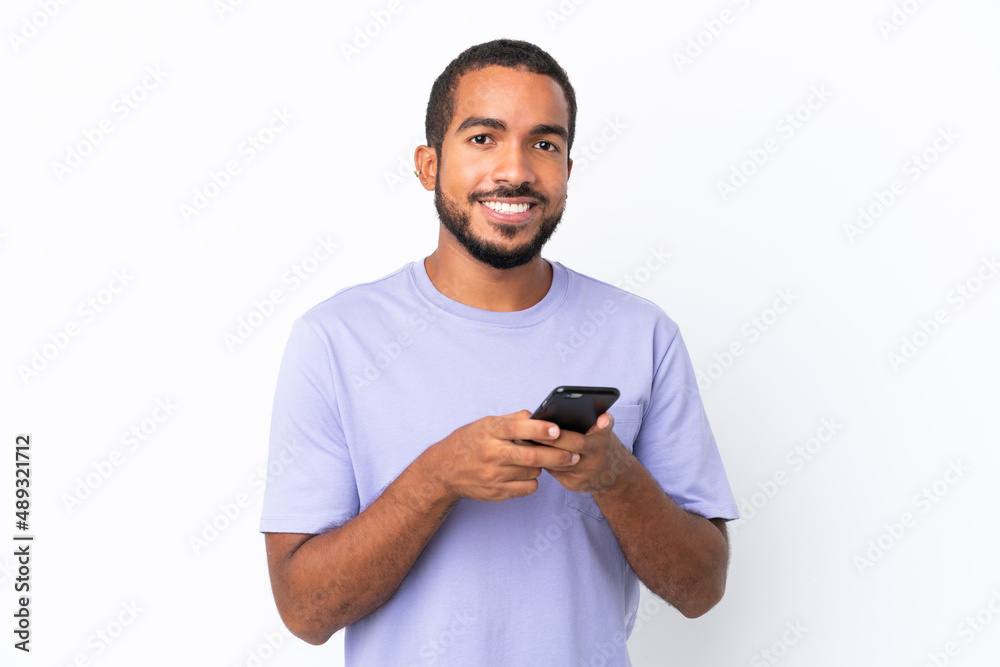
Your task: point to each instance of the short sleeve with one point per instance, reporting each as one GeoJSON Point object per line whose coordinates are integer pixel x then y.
{"type": "Point", "coordinates": [675, 442]}
{"type": "Point", "coordinates": [310, 485]}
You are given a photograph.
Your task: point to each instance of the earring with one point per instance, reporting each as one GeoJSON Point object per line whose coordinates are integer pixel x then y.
{"type": "Point", "coordinates": [416, 173]}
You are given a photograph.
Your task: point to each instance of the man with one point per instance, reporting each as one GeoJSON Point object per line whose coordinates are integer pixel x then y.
{"type": "Point", "coordinates": [410, 509]}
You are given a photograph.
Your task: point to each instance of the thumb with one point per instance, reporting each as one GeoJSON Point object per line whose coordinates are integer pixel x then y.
{"type": "Point", "coordinates": [604, 422]}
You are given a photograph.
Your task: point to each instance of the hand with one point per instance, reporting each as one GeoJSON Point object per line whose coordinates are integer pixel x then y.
{"type": "Point", "coordinates": [487, 460]}
{"type": "Point", "coordinates": [604, 460]}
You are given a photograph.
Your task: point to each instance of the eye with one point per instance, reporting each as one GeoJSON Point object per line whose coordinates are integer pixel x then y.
{"type": "Point", "coordinates": [547, 146]}
{"type": "Point", "coordinates": [476, 139]}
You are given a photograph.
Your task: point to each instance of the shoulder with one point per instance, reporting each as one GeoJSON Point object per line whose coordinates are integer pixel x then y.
{"type": "Point", "coordinates": [361, 300]}
{"type": "Point", "coordinates": [615, 300]}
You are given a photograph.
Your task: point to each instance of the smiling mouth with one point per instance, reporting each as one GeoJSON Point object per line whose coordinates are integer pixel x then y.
{"type": "Point", "coordinates": [506, 207]}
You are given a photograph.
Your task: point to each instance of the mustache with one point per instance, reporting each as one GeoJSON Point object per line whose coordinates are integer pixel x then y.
{"type": "Point", "coordinates": [504, 192]}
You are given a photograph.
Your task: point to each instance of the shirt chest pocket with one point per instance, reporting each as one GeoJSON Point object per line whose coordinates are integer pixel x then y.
{"type": "Point", "coordinates": [628, 418]}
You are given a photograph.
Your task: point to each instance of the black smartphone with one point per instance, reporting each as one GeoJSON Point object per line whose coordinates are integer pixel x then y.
{"type": "Point", "coordinates": [575, 408]}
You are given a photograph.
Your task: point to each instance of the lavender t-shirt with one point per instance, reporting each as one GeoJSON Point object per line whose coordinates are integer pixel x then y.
{"type": "Point", "coordinates": [380, 371]}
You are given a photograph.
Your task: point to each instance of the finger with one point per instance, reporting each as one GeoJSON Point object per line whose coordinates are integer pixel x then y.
{"type": "Point", "coordinates": [571, 441]}
{"type": "Point", "coordinates": [519, 427]}
{"type": "Point", "coordinates": [605, 422]}
{"type": "Point", "coordinates": [546, 457]}
{"type": "Point", "coordinates": [519, 489]}
{"type": "Point", "coordinates": [570, 467]}
{"type": "Point", "coordinates": [544, 430]}
{"type": "Point", "coordinates": [523, 473]}
{"type": "Point", "coordinates": [536, 443]}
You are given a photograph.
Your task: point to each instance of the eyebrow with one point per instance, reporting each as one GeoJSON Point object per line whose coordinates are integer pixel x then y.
{"type": "Point", "coordinates": [499, 125]}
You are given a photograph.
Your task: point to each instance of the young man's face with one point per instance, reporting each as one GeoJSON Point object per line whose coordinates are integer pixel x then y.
{"type": "Point", "coordinates": [501, 183]}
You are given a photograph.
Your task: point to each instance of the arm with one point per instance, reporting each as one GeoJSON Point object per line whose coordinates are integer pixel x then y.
{"type": "Point", "coordinates": [322, 583]}
{"type": "Point", "coordinates": [681, 557]}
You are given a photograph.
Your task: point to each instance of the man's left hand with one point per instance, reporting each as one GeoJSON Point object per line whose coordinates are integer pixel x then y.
{"type": "Point", "coordinates": [604, 460]}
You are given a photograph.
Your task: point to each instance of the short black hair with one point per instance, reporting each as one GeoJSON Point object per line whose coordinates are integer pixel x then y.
{"type": "Point", "coordinates": [512, 53]}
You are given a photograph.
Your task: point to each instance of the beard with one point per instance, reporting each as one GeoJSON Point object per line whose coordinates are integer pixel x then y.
{"type": "Point", "coordinates": [457, 221]}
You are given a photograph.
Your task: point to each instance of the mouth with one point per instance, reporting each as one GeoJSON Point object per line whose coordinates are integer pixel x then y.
{"type": "Point", "coordinates": [508, 210]}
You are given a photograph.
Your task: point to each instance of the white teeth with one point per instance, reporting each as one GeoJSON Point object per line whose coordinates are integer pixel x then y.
{"type": "Point", "coordinates": [507, 208]}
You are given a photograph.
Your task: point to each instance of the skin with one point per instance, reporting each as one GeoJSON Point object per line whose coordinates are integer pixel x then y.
{"type": "Point", "coordinates": [484, 159]}
{"type": "Point", "coordinates": [322, 583]}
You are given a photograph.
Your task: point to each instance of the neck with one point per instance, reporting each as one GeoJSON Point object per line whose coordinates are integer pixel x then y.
{"type": "Point", "coordinates": [462, 278]}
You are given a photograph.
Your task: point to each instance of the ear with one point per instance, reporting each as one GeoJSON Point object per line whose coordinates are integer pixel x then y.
{"type": "Point", "coordinates": [425, 159]}
{"type": "Point", "coordinates": [569, 168]}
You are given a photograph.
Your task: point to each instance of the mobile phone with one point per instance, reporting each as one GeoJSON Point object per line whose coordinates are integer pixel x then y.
{"type": "Point", "coordinates": [575, 408]}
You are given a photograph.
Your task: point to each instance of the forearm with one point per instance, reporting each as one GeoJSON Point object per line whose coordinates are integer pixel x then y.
{"type": "Point", "coordinates": [680, 556]}
{"type": "Point", "coordinates": [338, 577]}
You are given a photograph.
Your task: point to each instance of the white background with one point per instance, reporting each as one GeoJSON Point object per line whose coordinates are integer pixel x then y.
{"type": "Point", "coordinates": [662, 135]}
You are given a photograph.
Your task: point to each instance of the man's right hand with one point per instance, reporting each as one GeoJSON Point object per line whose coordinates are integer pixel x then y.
{"type": "Point", "coordinates": [489, 460]}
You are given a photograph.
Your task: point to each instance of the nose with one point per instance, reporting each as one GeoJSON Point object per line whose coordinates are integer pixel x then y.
{"type": "Point", "coordinates": [513, 166]}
